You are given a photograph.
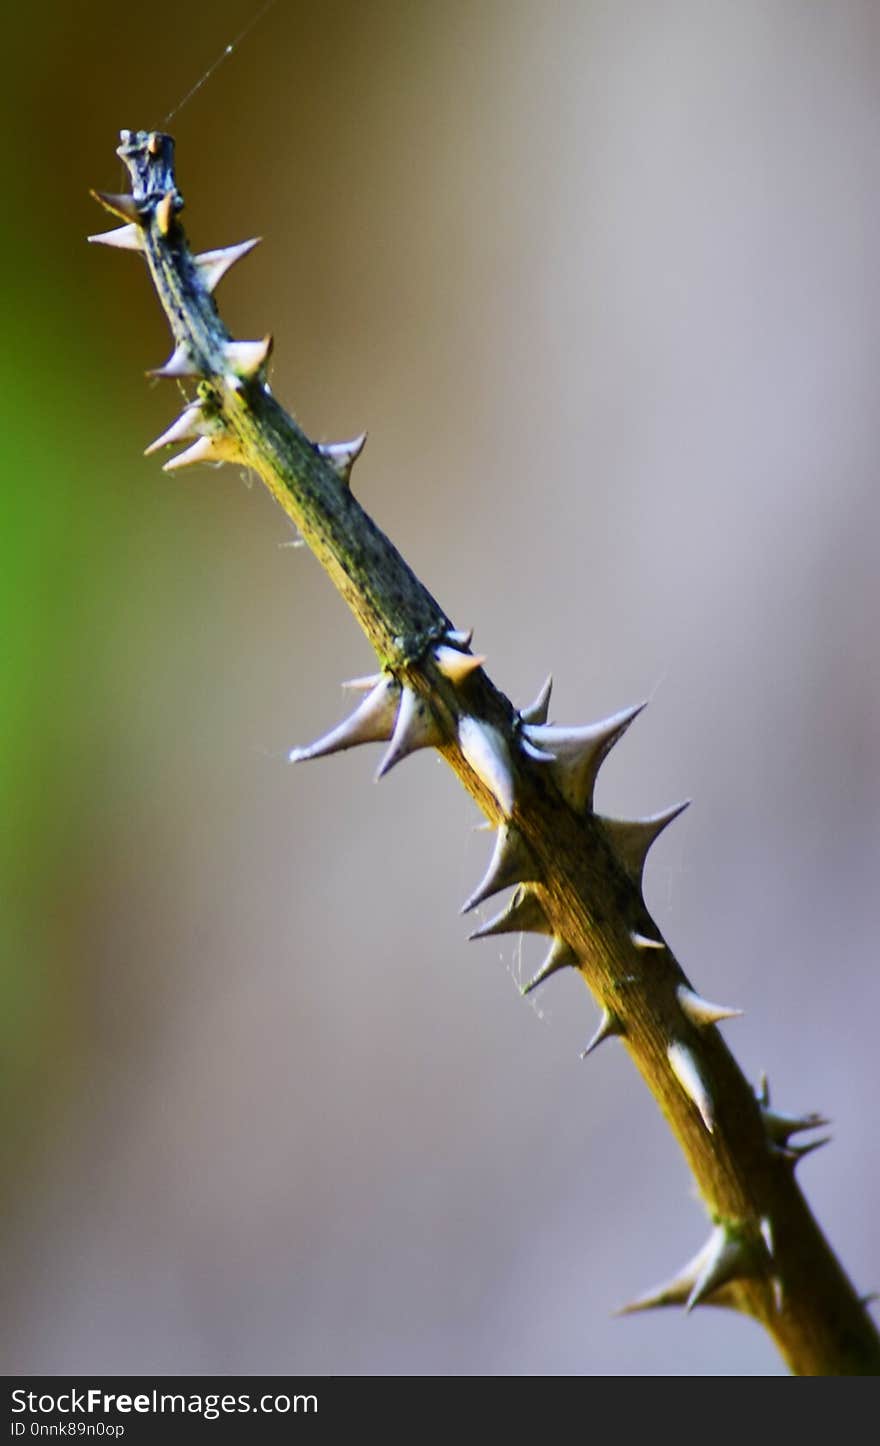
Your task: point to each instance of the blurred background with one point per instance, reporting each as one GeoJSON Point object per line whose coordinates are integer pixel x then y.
{"type": "Point", "coordinates": [600, 280]}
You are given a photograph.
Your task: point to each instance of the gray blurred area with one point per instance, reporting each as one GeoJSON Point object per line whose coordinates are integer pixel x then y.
{"type": "Point", "coordinates": [600, 280]}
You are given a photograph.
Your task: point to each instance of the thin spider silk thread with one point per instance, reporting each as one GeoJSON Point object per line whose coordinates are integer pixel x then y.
{"type": "Point", "coordinates": [224, 55]}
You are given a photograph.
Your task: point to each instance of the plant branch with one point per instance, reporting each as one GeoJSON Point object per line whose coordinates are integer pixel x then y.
{"type": "Point", "coordinates": [578, 876]}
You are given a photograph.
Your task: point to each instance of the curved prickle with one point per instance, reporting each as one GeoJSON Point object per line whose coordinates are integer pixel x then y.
{"type": "Point", "coordinates": [415, 727]}
{"type": "Point", "coordinates": [371, 722]}
{"type": "Point", "coordinates": [537, 712]}
{"type": "Point", "coordinates": [212, 266]}
{"type": "Point", "coordinates": [684, 1066]}
{"type": "Point", "coordinates": [561, 956]}
{"type": "Point", "coordinates": [644, 941]}
{"type": "Point", "coordinates": [699, 1011]}
{"type": "Point", "coordinates": [512, 862]}
{"type": "Point", "coordinates": [125, 238]}
{"type": "Point", "coordinates": [181, 363]}
{"type": "Point", "coordinates": [343, 455]}
{"type": "Point", "coordinates": [523, 915]}
{"type": "Point", "coordinates": [632, 839]}
{"type": "Point", "coordinates": [725, 1257]}
{"type": "Point", "coordinates": [580, 752]}
{"type": "Point", "coordinates": [609, 1027]}
{"type": "Point", "coordinates": [190, 423]}
{"type": "Point", "coordinates": [455, 664]}
{"type": "Point", "coordinates": [247, 359]}
{"type": "Point", "coordinates": [212, 447]}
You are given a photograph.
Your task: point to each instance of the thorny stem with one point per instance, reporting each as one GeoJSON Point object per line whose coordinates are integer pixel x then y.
{"type": "Point", "coordinates": [767, 1256]}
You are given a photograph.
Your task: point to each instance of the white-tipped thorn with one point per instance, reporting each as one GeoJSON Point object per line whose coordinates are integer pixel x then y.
{"type": "Point", "coordinates": [371, 722]}
{"type": "Point", "coordinates": [123, 206]}
{"type": "Point", "coordinates": [217, 447]}
{"type": "Point", "coordinates": [485, 749]}
{"type": "Point", "coordinates": [631, 839]}
{"type": "Point", "coordinates": [767, 1234]}
{"type": "Point", "coordinates": [126, 238]}
{"type": "Point", "coordinates": [458, 637]}
{"type": "Point", "coordinates": [609, 1027]}
{"type": "Point", "coordinates": [523, 915]}
{"type": "Point", "coordinates": [686, 1070]}
{"type": "Point", "coordinates": [212, 266]}
{"type": "Point", "coordinates": [726, 1259]}
{"type": "Point", "coordinates": [643, 941]}
{"type": "Point", "coordinates": [561, 956]}
{"type": "Point", "coordinates": [580, 752]}
{"type": "Point", "coordinates": [779, 1128]}
{"type": "Point", "coordinates": [454, 664]}
{"type": "Point", "coordinates": [699, 1011]}
{"type": "Point", "coordinates": [179, 364]}
{"type": "Point", "coordinates": [415, 727]}
{"type": "Point", "coordinates": [343, 455]}
{"type": "Point", "coordinates": [512, 862]}
{"type": "Point", "coordinates": [793, 1154]}
{"type": "Point", "coordinates": [362, 685]}
{"type": "Point", "coordinates": [537, 711]}
{"type": "Point", "coordinates": [722, 1259]}
{"type": "Point", "coordinates": [766, 1228]}
{"type": "Point", "coordinates": [536, 754]}
{"type": "Point", "coordinates": [247, 358]}
{"type": "Point", "coordinates": [187, 425]}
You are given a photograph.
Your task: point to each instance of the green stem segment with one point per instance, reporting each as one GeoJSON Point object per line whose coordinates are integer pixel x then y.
{"type": "Point", "coordinates": [767, 1256]}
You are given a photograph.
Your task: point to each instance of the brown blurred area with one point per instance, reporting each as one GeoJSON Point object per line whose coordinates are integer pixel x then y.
{"type": "Point", "coordinates": [600, 281]}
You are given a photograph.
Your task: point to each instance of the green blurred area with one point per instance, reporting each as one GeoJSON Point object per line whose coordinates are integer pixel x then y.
{"type": "Point", "coordinates": [95, 570]}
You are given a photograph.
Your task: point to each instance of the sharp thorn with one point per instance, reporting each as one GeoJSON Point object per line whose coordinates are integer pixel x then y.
{"type": "Point", "coordinates": [537, 754]}
{"type": "Point", "coordinates": [123, 206]}
{"type": "Point", "coordinates": [362, 685]}
{"type": "Point", "coordinates": [485, 749]}
{"type": "Point", "coordinates": [631, 839]}
{"type": "Point", "coordinates": [247, 358]}
{"type": "Point", "coordinates": [512, 862]}
{"type": "Point", "coordinates": [371, 722]}
{"type": "Point", "coordinates": [642, 941]}
{"type": "Point", "coordinates": [699, 1011]}
{"type": "Point", "coordinates": [609, 1027]}
{"type": "Point", "coordinates": [523, 915]}
{"type": "Point", "coordinates": [212, 266]}
{"type": "Point", "coordinates": [218, 447]}
{"type": "Point", "coordinates": [767, 1234]}
{"type": "Point", "coordinates": [561, 956]}
{"type": "Point", "coordinates": [179, 364]}
{"type": "Point", "coordinates": [458, 637]}
{"type": "Point", "coordinates": [779, 1128]}
{"type": "Point", "coordinates": [415, 727]}
{"type": "Point", "coordinates": [726, 1257]}
{"type": "Point", "coordinates": [711, 1268]}
{"type": "Point", "coordinates": [793, 1154]}
{"type": "Point", "coordinates": [580, 752]}
{"type": "Point", "coordinates": [455, 664]}
{"type": "Point", "coordinates": [684, 1066]}
{"type": "Point", "coordinates": [342, 455]}
{"type": "Point", "coordinates": [126, 238]}
{"type": "Point", "coordinates": [185, 426]}
{"type": "Point", "coordinates": [537, 711]}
